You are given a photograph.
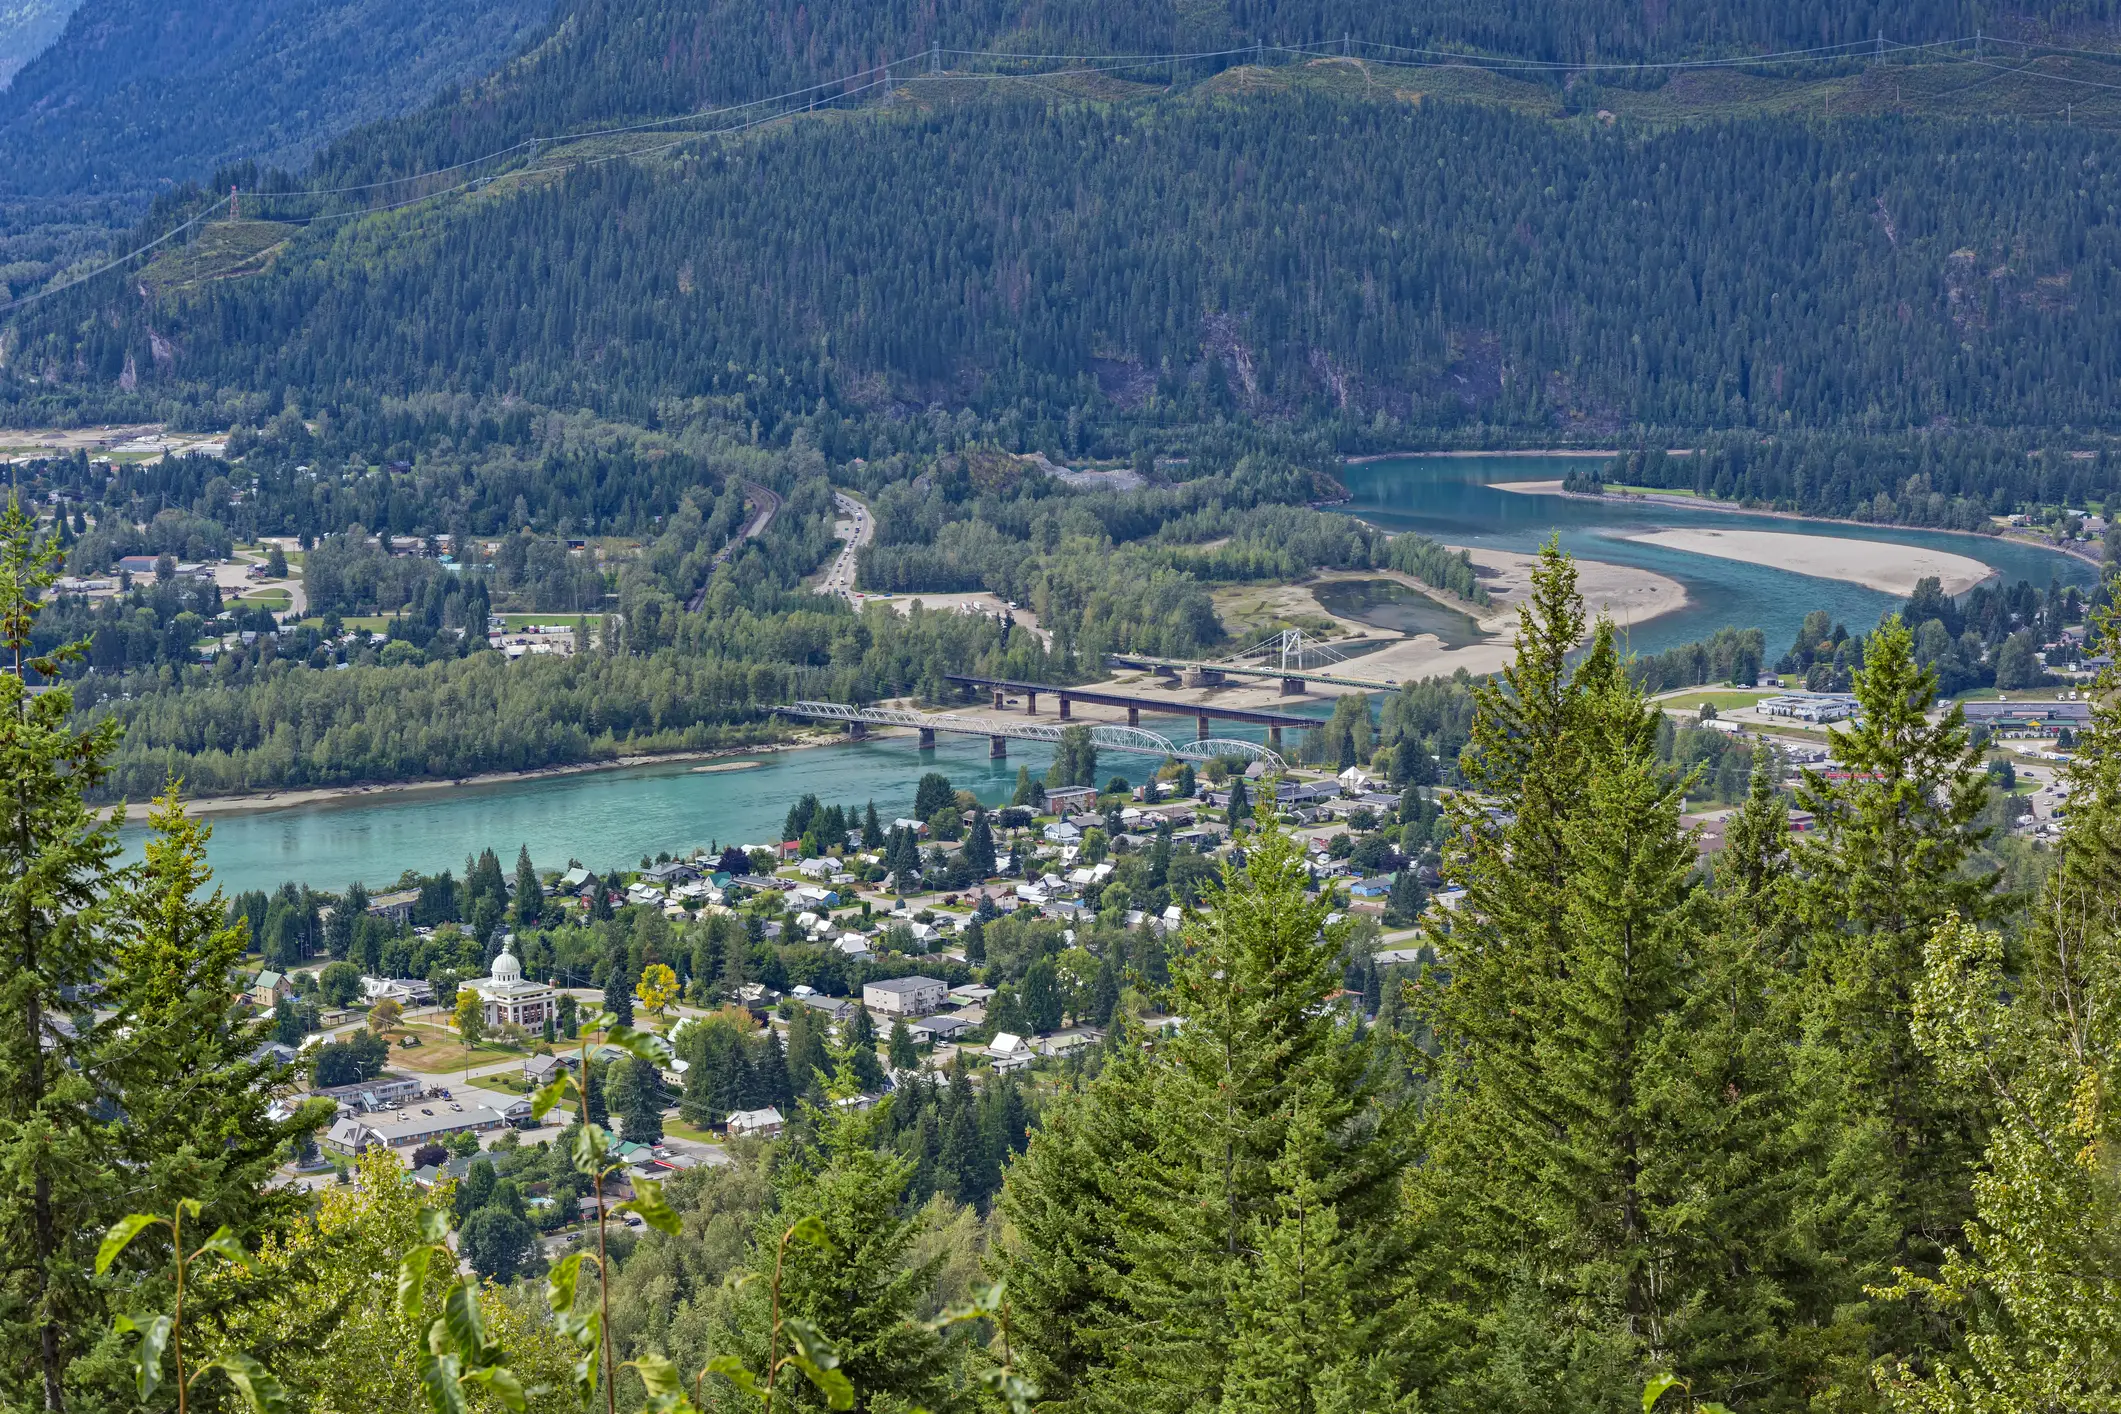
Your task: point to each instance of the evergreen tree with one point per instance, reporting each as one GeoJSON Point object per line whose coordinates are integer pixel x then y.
{"type": "Point", "coordinates": [872, 828]}
{"type": "Point", "coordinates": [860, 1041]}
{"type": "Point", "coordinates": [530, 895]}
{"type": "Point", "coordinates": [2038, 1027]}
{"type": "Point", "coordinates": [1041, 996]}
{"type": "Point", "coordinates": [618, 985]}
{"type": "Point", "coordinates": [770, 1078]}
{"type": "Point", "coordinates": [1240, 802]}
{"type": "Point", "coordinates": [1151, 1293]}
{"type": "Point", "coordinates": [1590, 1187]}
{"type": "Point", "coordinates": [59, 901]}
{"type": "Point", "coordinates": [1886, 864]}
{"type": "Point", "coordinates": [905, 1055]}
{"type": "Point", "coordinates": [637, 1094]}
{"type": "Point", "coordinates": [979, 847]}
{"type": "Point", "coordinates": [932, 794]}
{"type": "Point", "coordinates": [809, 1066]}
{"type": "Point", "coordinates": [864, 1286]}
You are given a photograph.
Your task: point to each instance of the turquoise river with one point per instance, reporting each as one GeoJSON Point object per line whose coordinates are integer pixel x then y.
{"type": "Point", "coordinates": [613, 817]}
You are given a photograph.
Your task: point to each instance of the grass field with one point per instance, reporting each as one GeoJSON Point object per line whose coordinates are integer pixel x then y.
{"type": "Point", "coordinates": [678, 1129]}
{"type": "Point", "coordinates": [440, 1051]}
{"type": "Point", "coordinates": [1722, 700]}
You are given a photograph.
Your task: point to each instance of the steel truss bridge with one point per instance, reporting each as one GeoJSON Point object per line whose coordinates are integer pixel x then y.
{"type": "Point", "coordinates": [999, 731]}
{"type": "Point", "coordinates": [1288, 656]}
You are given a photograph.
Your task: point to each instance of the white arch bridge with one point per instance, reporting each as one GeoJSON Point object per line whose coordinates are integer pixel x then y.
{"type": "Point", "coordinates": [999, 731]}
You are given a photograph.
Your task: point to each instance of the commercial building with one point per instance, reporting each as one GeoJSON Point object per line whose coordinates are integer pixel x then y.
{"type": "Point", "coordinates": [905, 996]}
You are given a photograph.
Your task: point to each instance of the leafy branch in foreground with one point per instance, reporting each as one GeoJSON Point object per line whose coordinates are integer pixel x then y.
{"type": "Point", "coordinates": [161, 1333]}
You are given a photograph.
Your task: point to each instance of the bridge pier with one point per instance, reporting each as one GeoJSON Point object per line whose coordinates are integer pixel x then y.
{"type": "Point", "coordinates": [1134, 716]}
{"type": "Point", "coordinates": [1001, 699]}
{"type": "Point", "coordinates": [1203, 720]}
{"type": "Point", "coordinates": [1292, 687]}
{"type": "Point", "coordinates": [1274, 740]}
{"type": "Point", "coordinates": [1031, 704]}
{"type": "Point", "coordinates": [857, 731]}
{"type": "Point", "coordinates": [927, 738]}
{"type": "Point", "coordinates": [1064, 708]}
{"type": "Point", "coordinates": [997, 747]}
{"type": "Point", "coordinates": [1202, 677]}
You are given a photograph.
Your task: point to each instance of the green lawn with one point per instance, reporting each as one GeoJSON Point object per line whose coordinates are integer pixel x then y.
{"type": "Point", "coordinates": [1722, 699]}
{"type": "Point", "coordinates": [678, 1129]}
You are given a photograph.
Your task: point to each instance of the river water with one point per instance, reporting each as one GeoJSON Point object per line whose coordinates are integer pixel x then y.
{"type": "Point", "coordinates": [612, 818]}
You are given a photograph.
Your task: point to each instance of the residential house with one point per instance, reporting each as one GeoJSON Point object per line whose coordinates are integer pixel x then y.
{"type": "Point", "coordinates": [350, 1137]}
{"type": "Point", "coordinates": [269, 988]}
{"type": "Point", "coordinates": [1009, 1051]}
{"type": "Point", "coordinates": [759, 1124]}
{"type": "Point", "coordinates": [939, 1028]}
{"type": "Point", "coordinates": [834, 1008]}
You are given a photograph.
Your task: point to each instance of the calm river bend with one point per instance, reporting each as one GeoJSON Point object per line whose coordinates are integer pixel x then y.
{"type": "Point", "coordinates": [611, 818]}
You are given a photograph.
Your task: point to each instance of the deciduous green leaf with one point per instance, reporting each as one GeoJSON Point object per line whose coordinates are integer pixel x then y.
{"type": "Point", "coordinates": [810, 1343]}
{"type": "Point", "coordinates": [831, 1383]}
{"type": "Point", "coordinates": [643, 1045]}
{"type": "Point", "coordinates": [551, 1094]}
{"type": "Point", "coordinates": [120, 1236]}
{"type": "Point", "coordinates": [500, 1381]}
{"type": "Point", "coordinates": [810, 1231]}
{"type": "Point", "coordinates": [561, 1281]}
{"type": "Point", "coordinates": [438, 1377]}
{"type": "Point", "coordinates": [223, 1244]}
{"type": "Point", "coordinates": [434, 1225]}
{"type": "Point", "coordinates": [733, 1370]}
{"type": "Point", "coordinates": [1656, 1389]}
{"type": "Point", "coordinates": [412, 1281]}
{"type": "Point", "coordinates": [147, 1355]}
{"type": "Point", "coordinates": [648, 1201]}
{"type": "Point", "coordinates": [591, 1143]}
{"type": "Point", "coordinates": [260, 1388]}
{"type": "Point", "coordinates": [466, 1323]}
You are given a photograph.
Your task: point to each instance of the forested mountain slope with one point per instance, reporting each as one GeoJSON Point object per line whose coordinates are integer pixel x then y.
{"type": "Point", "coordinates": [26, 27]}
{"type": "Point", "coordinates": [619, 59]}
{"type": "Point", "coordinates": [1370, 263]}
{"type": "Point", "coordinates": [138, 95]}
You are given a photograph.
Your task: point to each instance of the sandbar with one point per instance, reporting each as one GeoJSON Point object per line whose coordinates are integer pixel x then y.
{"type": "Point", "coordinates": [1882, 565]}
{"type": "Point", "coordinates": [721, 766]}
{"type": "Point", "coordinates": [1626, 594]}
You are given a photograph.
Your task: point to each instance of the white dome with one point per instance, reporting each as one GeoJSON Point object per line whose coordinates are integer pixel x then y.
{"type": "Point", "coordinates": [506, 968]}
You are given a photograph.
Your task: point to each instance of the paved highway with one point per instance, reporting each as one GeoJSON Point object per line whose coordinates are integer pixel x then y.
{"type": "Point", "coordinates": [855, 531]}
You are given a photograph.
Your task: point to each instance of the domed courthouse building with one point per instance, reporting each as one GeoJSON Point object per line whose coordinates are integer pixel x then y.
{"type": "Point", "coordinates": [510, 999]}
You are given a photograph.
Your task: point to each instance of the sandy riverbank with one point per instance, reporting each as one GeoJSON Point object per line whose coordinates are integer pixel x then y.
{"type": "Point", "coordinates": [1627, 595]}
{"type": "Point", "coordinates": [137, 813]}
{"type": "Point", "coordinates": [1875, 564]}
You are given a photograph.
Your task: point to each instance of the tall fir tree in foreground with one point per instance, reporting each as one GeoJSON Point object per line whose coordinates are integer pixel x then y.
{"type": "Point", "coordinates": [1215, 1225]}
{"type": "Point", "coordinates": [1597, 1202]}
{"type": "Point", "coordinates": [60, 894]}
{"type": "Point", "coordinates": [2036, 1029]}
{"type": "Point", "coordinates": [1891, 857]}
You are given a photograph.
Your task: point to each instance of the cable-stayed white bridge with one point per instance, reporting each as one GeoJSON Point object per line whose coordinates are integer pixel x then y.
{"type": "Point", "coordinates": [1000, 731]}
